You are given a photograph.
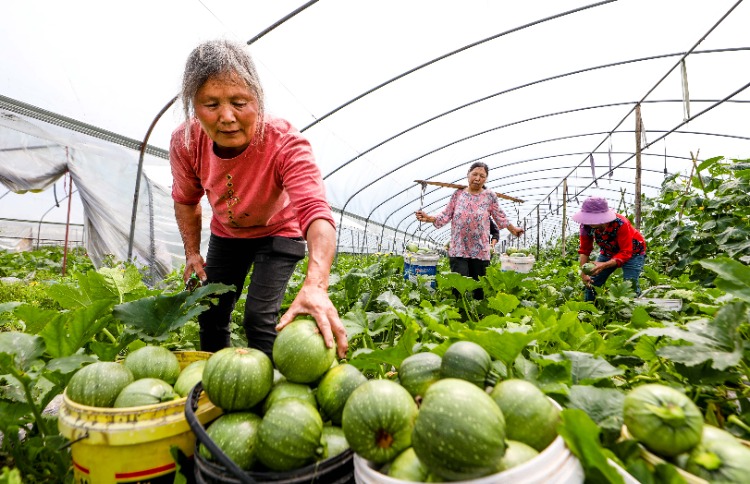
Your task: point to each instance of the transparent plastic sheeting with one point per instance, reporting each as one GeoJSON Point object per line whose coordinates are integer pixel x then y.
{"type": "Point", "coordinates": [34, 155]}
{"type": "Point", "coordinates": [390, 92]}
{"type": "Point", "coordinates": [104, 175]}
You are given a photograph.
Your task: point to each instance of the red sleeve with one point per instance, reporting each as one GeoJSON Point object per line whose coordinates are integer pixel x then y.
{"type": "Point", "coordinates": [186, 185]}
{"type": "Point", "coordinates": [625, 235]}
{"type": "Point", "coordinates": [586, 241]}
{"type": "Point", "coordinates": [301, 178]}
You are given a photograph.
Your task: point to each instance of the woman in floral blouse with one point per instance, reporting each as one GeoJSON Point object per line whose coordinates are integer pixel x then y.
{"type": "Point", "coordinates": [620, 245]}
{"type": "Point", "coordinates": [469, 212]}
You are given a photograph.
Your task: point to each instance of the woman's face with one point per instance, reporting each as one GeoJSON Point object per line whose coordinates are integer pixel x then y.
{"type": "Point", "coordinates": [476, 178]}
{"type": "Point", "coordinates": [228, 113]}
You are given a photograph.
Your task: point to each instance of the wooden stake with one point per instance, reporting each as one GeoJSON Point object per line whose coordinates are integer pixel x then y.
{"type": "Point", "coordinates": [638, 137]}
{"type": "Point", "coordinates": [565, 211]}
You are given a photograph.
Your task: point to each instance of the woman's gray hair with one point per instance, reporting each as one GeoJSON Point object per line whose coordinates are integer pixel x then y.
{"type": "Point", "coordinates": [479, 164]}
{"type": "Point", "coordinates": [214, 58]}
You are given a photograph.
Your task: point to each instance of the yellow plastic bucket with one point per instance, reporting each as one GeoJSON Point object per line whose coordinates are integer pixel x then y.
{"type": "Point", "coordinates": [119, 445]}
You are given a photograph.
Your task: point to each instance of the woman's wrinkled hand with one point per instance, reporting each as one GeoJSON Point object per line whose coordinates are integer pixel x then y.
{"type": "Point", "coordinates": [314, 301]}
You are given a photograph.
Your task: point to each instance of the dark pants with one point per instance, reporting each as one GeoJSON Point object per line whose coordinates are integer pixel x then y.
{"type": "Point", "coordinates": [631, 271]}
{"type": "Point", "coordinates": [228, 261]}
{"type": "Point", "coordinates": [473, 268]}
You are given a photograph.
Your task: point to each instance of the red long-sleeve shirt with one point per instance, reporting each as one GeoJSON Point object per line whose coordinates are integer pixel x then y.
{"type": "Point", "coordinates": [618, 240]}
{"type": "Point", "coordinates": [276, 189]}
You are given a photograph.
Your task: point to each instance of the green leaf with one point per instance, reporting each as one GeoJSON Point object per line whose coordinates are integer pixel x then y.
{"type": "Point", "coordinates": [157, 316]}
{"type": "Point", "coordinates": [718, 340]}
{"type": "Point", "coordinates": [355, 322]}
{"type": "Point", "coordinates": [456, 281]}
{"type": "Point", "coordinates": [14, 415]}
{"type": "Point", "coordinates": [60, 370]}
{"type": "Point", "coordinates": [501, 345]}
{"type": "Point", "coordinates": [733, 277]}
{"type": "Point", "coordinates": [391, 300]}
{"type": "Point", "coordinates": [581, 435]}
{"type": "Point", "coordinates": [503, 303]}
{"type": "Point", "coordinates": [34, 318]}
{"type": "Point", "coordinates": [587, 368]}
{"type": "Point", "coordinates": [603, 405]}
{"type": "Point", "coordinates": [69, 331]}
{"type": "Point", "coordinates": [19, 351]}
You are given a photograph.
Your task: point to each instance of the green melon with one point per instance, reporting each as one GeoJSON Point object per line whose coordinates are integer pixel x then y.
{"type": "Point", "coordinates": [98, 384]}
{"type": "Point", "coordinates": [300, 353]}
{"type": "Point", "coordinates": [530, 417]}
{"type": "Point", "coordinates": [407, 467]}
{"type": "Point", "coordinates": [189, 376]}
{"type": "Point", "coordinates": [459, 433]}
{"type": "Point", "coordinates": [334, 389]}
{"type": "Point", "coordinates": [468, 361]}
{"type": "Point", "coordinates": [289, 390]}
{"type": "Point", "coordinates": [236, 434]}
{"type": "Point", "coordinates": [146, 391]}
{"type": "Point", "coordinates": [378, 420]}
{"type": "Point", "coordinates": [153, 362]}
{"type": "Point", "coordinates": [334, 441]}
{"type": "Point", "coordinates": [418, 371]}
{"type": "Point", "coordinates": [236, 379]}
{"type": "Point", "coordinates": [516, 453]}
{"type": "Point", "coordinates": [290, 435]}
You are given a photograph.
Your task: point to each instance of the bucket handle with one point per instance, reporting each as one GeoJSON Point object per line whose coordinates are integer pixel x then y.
{"type": "Point", "coordinates": [71, 442]}
{"type": "Point", "coordinates": [190, 406]}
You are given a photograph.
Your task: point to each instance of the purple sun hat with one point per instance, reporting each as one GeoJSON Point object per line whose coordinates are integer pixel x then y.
{"type": "Point", "coordinates": [594, 211]}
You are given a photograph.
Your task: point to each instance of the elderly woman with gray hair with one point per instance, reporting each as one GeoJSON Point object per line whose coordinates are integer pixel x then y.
{"type": "Point", "coordinates": [469, 211]}
{"type": "Point", "coordinates": [267, 196]}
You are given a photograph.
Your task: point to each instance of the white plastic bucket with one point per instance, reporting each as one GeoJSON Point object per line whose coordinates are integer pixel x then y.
{"type": "Point", "coordinates": [554, 464]}
{"type": "Point", "coordinates": [424, 265]}
{"type": "Point", "coordinates": [517, 264]}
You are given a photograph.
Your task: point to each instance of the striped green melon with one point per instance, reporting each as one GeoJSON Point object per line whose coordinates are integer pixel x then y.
{"type": "Point", "coordinates": [236, 379]}
{"type": "Point", "coordinates": [153, 362]}
{"type": "Point", "coordinates": [418, 371]}
{"type": "Point", "coordinates": [516, 453]}
{"type": "Point", "coordinates": [334, 441]}
{"type": "Point", "coordinates": [468, 361]}
{"type": "Point", "coordinates": [189, 376]}
{"type": "Point", "coordinates": [300, 353]}
{"type": "Point", "coordinates": [290, 435]}
{"type": "Point", "coordinates": [460, 431]}
{"type": "Point", "coordinates": [146, 391]}
{"type": "Point", "coordinates": [530, 417]}
{"type": "Point", "coordinates": [378, 420]}
{"type": "Point", "coordinates": [236, 434]}
{"type": "Point", "coordinates": [334, 389]}
{"type": "Point", "coordinates": [98, 384]}
{"type": "Point", "coordinates": [407, 467]}
{"type": "Point", "coordinates": [289, 390]}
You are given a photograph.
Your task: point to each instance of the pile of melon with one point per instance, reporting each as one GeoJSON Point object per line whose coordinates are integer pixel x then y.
{"type": "Point", "coordinates": [281, 413]}
{"type": "Point", "coordinates": [147, 376]}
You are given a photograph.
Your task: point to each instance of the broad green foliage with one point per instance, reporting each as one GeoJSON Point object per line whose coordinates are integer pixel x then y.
{"type": "Point", "coordinates": [535, 327]}
{"type": "Point", "coordinates": [701, 217]}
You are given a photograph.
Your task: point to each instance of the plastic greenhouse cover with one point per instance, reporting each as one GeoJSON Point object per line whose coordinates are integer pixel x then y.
{"type": "Point", "coordinates": [394, 91]}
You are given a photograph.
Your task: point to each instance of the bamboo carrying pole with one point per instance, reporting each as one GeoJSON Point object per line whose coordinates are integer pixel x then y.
{"type": "Point", "coordinates": [638, 134]}
{"type": "Point", "coordinates": [457, 186]}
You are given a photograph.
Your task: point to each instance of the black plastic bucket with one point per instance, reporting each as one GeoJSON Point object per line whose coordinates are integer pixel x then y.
{"type": "Point", "coordinates": [338, 469]}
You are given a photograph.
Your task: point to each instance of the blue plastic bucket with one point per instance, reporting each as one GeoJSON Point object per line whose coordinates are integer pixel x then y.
{"type": "Point", "coordinates": [424, 265]}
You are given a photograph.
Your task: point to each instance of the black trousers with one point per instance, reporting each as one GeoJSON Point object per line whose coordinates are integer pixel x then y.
{"type": "Point", "coordinates": [468, 267]}
{"type": "Point", "coordinates": [228, 261]}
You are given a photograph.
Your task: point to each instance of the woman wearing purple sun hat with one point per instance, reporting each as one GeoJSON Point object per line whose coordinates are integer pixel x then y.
{"type": "Point", "coordinates": [620, 245]}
